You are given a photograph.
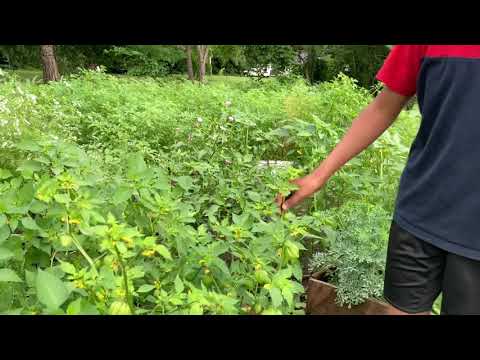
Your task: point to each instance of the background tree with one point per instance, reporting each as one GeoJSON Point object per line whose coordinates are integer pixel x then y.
{"type": "Point", "coordinates": [202, 51]}
{"type": "Point", "coordinates": [50, 67]}
{"type": "Point", "coordinates": [228, 59]}
{"type": "Point", "coordinates": [280, 57]}
{"type": "Point", "coordinates": [188, 50]}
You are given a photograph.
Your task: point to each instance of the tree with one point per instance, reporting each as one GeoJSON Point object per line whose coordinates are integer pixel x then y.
{"type": "Point", "coordinates": [202, 61]}
{"type": "Point", "coordinates": [191, 75]}
{"type": "Point", "coordinates": [279, 57]}
{"type": "Point", "coordinates": [50, 67]}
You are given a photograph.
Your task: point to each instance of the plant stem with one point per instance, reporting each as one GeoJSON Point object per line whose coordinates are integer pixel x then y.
{"type": "Point", "coordinates": [84, 253]}
{"type": "Point", "coordinates": [125, 281]}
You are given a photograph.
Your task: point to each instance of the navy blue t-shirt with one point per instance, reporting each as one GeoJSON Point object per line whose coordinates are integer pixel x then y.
{"type": "Point", "coordinates": [439, 194]}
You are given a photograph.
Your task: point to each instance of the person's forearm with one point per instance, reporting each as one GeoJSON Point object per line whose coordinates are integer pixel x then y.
{"type": "Point", "coordinates": [365, 129]}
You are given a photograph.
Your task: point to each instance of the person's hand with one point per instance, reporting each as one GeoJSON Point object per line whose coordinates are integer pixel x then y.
{"type": "Point", "coordinates": [308, 185]}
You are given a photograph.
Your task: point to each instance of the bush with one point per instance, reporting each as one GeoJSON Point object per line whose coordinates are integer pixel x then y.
{"type": "Point", "coordinates": [157, 184]}
{"type": "Point", "coordinates": [355, 258]}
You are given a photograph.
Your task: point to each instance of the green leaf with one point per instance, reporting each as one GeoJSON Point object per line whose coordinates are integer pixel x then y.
{"type": "Point", "coordinates": [162, 181]}
{"type": "Point", "coordinates": [145, 288]}
{"type": "Point", "coordinates": [3, 220]}
{"type": "Point", "coordinates": [162, 250]}
{"type": "Point", "coordinates": [7, 275]}
{"type": "Point", "coordinates": [297, 272]}
{"type": "Point", "coordinates": [30, 278]}
{"type": "Point", "coordinates": [17, 311]}
{"type": "Point", "coordinates": [75, 307]}
{"type": "Point", "coordinates": [185, 182]}
{"type": "Point", "coordinates": [26, 193]}
{"type": "Point", "coordinates": [178, 285]}
{"type": "Point", "coordinates": [136, 165]}
{"type": "Point", "coordinates": [4, 233]}
{"type": "Point", "coordinates": [46, 189]}
{"type": "Point", "coordinates": [271, 311]}
{"type": "Point", "coordinates": [28, 145]}
{"type": "Point", "coordinates": [288, 296]}
{"type": "Point", "coordinates": [30, 224]}
{"type": "Point", "coordinates": [88, 309]}
{"type": "Point", "coordinates": [5, 174]}
{"type": "Point", "coordinates": [5, 254]}
{"type": "Point", "coordinates": [220, 264]}
{"type": "Point", "coordinates": [28, 167]}
{"type": "Point", "coordinates": [67, 268]}
{"type": "Point", "coordinates": [51, 291]}
{"type": "Point", "coordinates": [254, 196]}
{"type": "Point", "coordinates": [38, 207]}
{"type": "Point", "coordinates": [196, 309]}
{"type": "Point", "coordinates": [123, 193]}
{"type": "Point", "coordinates": [62, 198]}
{"type": "Point", "coordinates": [276, 296]}
{"type": "Point", "coordinates": [13, 225]}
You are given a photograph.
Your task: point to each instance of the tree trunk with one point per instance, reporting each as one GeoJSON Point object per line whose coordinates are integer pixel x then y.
{"type": "Point", "coordinates": [310, 64]}
{"type": "Point", "coordinates": [191, 76]}
{"type": "Point", "coordinates": [50, 67]}
{"type": "Point", "coordinates": [202, 60]}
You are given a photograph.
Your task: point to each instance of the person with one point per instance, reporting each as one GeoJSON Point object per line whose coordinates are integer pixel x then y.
{"type": "Point", "coordinates": [434, 240]}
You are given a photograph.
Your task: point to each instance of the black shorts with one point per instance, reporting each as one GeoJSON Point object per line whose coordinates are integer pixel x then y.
{"type": "Point", "coordinates": [417, 272]}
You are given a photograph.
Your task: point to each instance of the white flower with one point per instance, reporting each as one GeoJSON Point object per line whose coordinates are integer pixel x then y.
{"type": "Point", "coordinates": [33, 98]}
{"type": "Point", "coordinates": [231, 118]}
{"type": "Point", "coordinates": [199, 119]}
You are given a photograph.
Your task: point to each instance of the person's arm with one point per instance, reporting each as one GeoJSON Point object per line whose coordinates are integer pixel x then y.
{"type": "Point", "coordinates": [365, 129]}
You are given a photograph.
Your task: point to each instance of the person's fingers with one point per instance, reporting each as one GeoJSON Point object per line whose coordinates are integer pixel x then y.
{"type": "Point", "coordinates": [296, 198]}
{"type": "Point", "coordinates": [291, 202]}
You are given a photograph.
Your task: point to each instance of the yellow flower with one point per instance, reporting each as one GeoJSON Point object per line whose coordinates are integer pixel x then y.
{"type": "Point", "coordinates": [79, 284]}
{"type": "Point", "coordinates": [100, 295]}
{"type": "Point", "coordinates": [128, 240]}
{"type": "Point", "coordinates": [148, 253]}
{"type": "Point", "coordinates": [74, 221]}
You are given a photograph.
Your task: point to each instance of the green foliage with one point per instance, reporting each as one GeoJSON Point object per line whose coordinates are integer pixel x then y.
{"type": "Point", "coordinates": [280, 57]}
{"type": "Point", "coordinates": [139, 60]}
{"type": "Point", "coordinates": [355, 259]}
{"type": "Point", "coordinates": [123, 195]}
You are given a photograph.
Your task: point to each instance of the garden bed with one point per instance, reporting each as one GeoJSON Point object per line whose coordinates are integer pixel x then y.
{"type": "Point", "coordinates": [321, 300]}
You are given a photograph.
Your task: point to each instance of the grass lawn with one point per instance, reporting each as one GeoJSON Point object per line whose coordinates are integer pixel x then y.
{"type": "Point", "coordinates": [27, 74]}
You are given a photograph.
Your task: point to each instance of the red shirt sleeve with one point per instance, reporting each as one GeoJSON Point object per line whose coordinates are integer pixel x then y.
{"type": "Point", "coordinates": [400, 70]}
